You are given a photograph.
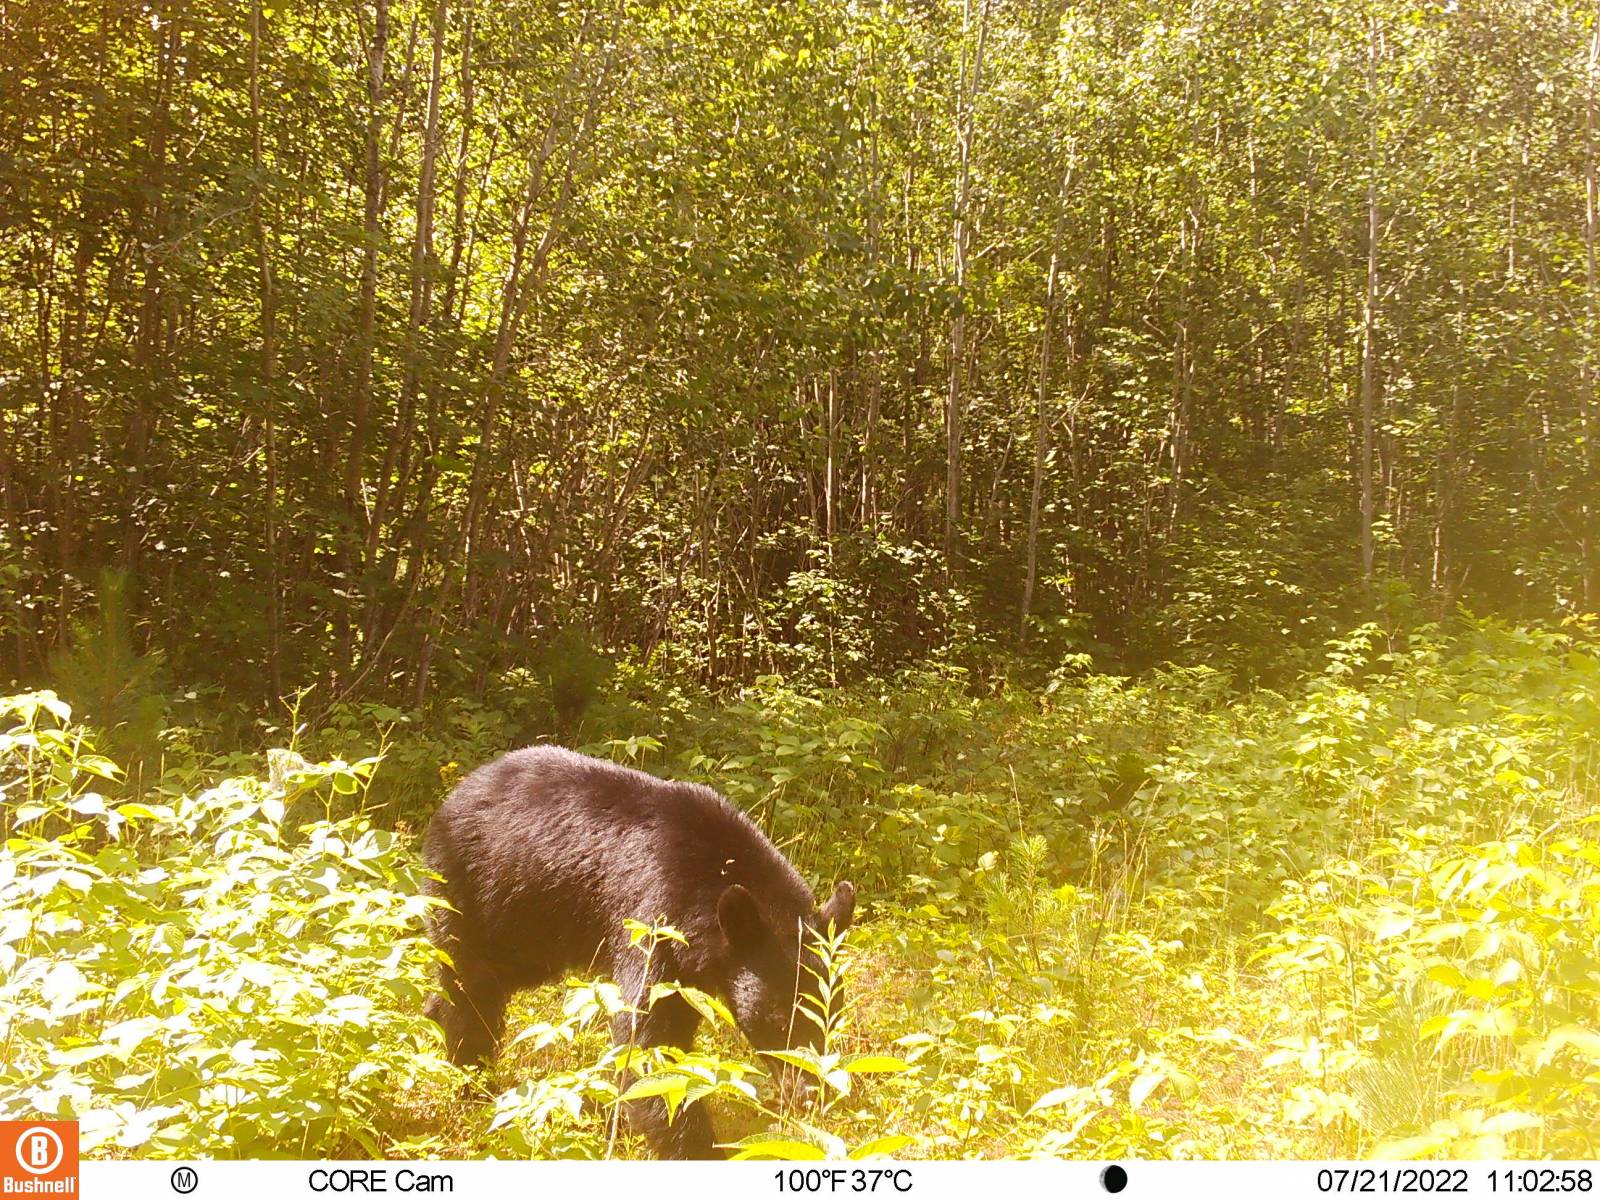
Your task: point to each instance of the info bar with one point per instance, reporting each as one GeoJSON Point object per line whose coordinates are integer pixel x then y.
{"type": "Point", "coordinates": [967, 1180]}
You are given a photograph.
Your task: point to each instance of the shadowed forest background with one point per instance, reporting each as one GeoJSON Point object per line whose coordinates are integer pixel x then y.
{"type": "Point", "coordinates": [380, 343]}
{"type": "Point", "coordinates": [1118, 481]}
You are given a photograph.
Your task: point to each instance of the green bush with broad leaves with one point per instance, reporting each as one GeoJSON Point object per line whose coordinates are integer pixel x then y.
{"type": "Point", "coordinates": [1101, 916]}
{"type": "Point", "coordinates": [578, 1113]}
{"type": "Point", "coordinates": [1163, 917]}
{"type": "Point", "coordinates": [237, 973]}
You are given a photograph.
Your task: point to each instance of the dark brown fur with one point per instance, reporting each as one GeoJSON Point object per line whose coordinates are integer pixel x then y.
{"type": "Point", "coordinates": [544, 853]}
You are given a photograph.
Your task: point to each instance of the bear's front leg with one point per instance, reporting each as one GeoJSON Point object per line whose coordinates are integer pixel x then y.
{"type": "Point", "coordinates": [689, 1136]}
{"type": "Point", "coordinates": [670, 1022]}
{"type": "Point", "coordinates": [471, 1008]}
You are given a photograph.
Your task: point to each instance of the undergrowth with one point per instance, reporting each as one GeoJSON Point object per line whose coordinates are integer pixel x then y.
{"type": "Point", "coordinates": [1105, 917]}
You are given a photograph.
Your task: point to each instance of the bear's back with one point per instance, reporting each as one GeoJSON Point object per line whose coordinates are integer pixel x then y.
{"type": "Point", "coordinates": [572, 845]}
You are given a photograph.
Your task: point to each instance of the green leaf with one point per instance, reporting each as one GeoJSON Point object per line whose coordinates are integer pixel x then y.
{"type": "Point", "coordinates": [772, 1147]}
{"type": "Point", "coordinates": [865, 1064]}
{"type": "Point", "coordinates": [670, 1086]}
{"type": "Point", "coordinates": [1056, 1098]}
{"type": "Point", "coordinates": [706, 1005]}
{"type": "Point", "coordinates": [1412, 1147]}
{"type": "Point", "coordinates": [1147, 1082]}
{"type": "Point", "coordinates": [1392, 925]}
{"type": "Point", "coordinates": [806, 1060]}
{"type": "Point", "coordinates": [885, 1146]}
{"type": "Point", "coordinates": [1510, 1122]}
{"type": "Point", "coordinates": [1585, 1041]}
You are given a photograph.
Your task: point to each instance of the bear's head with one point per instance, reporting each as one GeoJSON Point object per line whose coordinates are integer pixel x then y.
{"type": "Point", "coordinates": [773, 964]}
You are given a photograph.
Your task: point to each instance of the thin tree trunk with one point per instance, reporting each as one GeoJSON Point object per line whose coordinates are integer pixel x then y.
{"type": "Point", "coordinates": [150, 342]}
{"type": "Point", "coordinates": [524, 275]}
{"type": "Point", "coordinates": [1369, 316]}
{"type": "Point", "coordinates": [352, 488]}
{"type": "Point", "coordinates": [1587, 398]}
{"type": "Point", "coordinates": [521, 282]}
{"type": "Point", "coordinates": [831, 416]}
{"type": "Point", "coordinates": [421, 249]}
{"type": "Point", "coordinates": [1444, 532]}
{"type": "Point", "coordinates": [868, 514]}
{"type": "Point", "coordinates": [397, 454]}
{"type": "Point", "coordinates": [463, 159]}
{"type": "Point", "coordinates": [1300, 372]}
{"type": "Point", "coordinates": [421, 288]}
{"type": "Point", "coordinates": [1041, 425]}
{"type": "Point", "coordinates": [967, 99]}
{"type": "Point", "coordinates": [366, 324]}
{"type": "Point", "coordinates": [398, 93]}
{"type": "Point", "coordinates": [1183, 371]}
{"type": "Point", "coordinates": [454, 284]}
{"type": "Point", "coordinates": [267, 363]}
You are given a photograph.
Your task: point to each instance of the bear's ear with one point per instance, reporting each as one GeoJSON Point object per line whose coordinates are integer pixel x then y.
{"type": "Point", "coordinates": [740, 916]}
{"type": "Point", "coordinates": [841, 906]}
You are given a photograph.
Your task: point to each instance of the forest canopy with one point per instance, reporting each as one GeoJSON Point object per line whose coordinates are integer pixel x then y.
{"type": "Point", "coordinates": [382, 344]}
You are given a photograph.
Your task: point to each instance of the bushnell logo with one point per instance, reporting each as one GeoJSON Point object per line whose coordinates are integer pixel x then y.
{"type": "Point", "coordinates": [38, 1158]}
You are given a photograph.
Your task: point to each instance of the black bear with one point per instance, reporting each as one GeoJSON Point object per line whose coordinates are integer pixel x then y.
{"type": "Point", "coordinates": [544, 853]}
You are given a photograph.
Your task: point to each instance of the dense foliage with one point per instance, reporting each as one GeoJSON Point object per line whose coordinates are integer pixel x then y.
{"type": "Point", "coordinates": [383, 343]}
{"type": "Point", "coordinates": [194, 975]}
{"type": "Point", "coordinates": [1105, 917]}
{"type": "Point", "coordinates": [1040, 458]}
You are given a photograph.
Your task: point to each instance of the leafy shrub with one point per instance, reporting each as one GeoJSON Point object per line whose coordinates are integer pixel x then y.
{"type": "Point", "coordinates": [577, 1112]}
{"type": "Point", "coordinates": [120, 687]}
{"type": "Point", "coordinates": [195, 978]}
{"type": "Point", "coordinates": [1459, 980]}
{"type": "Point", "coordinates": [1109, 916]}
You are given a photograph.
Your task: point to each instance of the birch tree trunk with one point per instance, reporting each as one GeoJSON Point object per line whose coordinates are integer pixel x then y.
{"type": "Point", "coordinates": [267, 364]}
{"type": "Point", "coordinates": [967, 98]}
{"type": "Point", "coordinates": [1041, 424]}
{"type": "Point", "coordinates": [1369, 314]}
{"type": "Point", "coordinates": [366, 306]}
{"type": "Point", "coordinates": [1587, 397]}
